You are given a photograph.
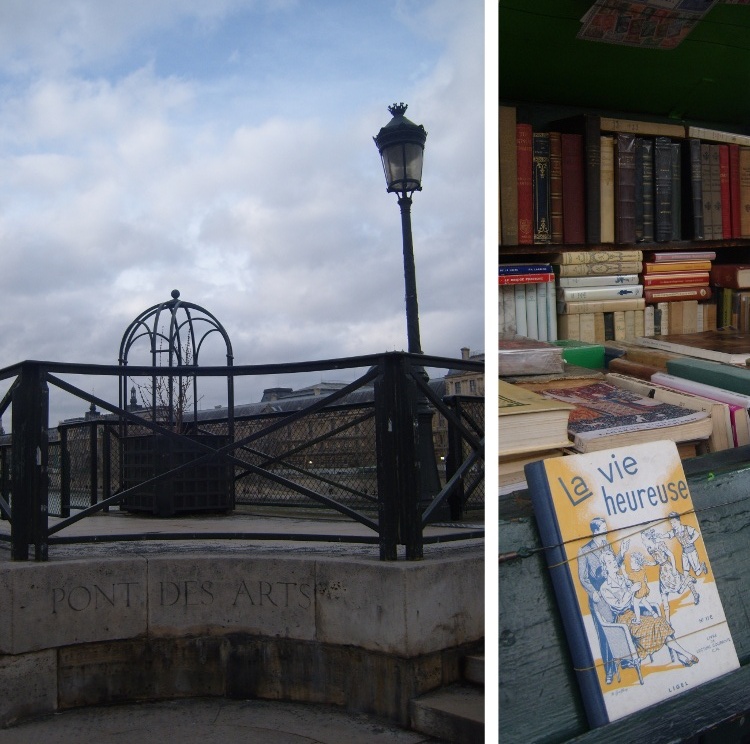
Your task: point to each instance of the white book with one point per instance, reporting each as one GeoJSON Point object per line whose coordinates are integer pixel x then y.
{"type": "Point", "coordinates": [611, 280]}
{"type": "Point", "coordinates": [613, 292]}
{"type": "Point", "coordinates": [519, 292]}
{"type": "Point", "coordinates": [541, 310]}
{"type": "Point", "coordinates": [648, 320]}
{"type": "Point", "coordinates": [551, 312]}
{"type": "Point", "coordinates": [532, 325]}
{"type": "Point", "coordinates": [738, 402]}
{"type": "Point", "coordinates": [508, 296]}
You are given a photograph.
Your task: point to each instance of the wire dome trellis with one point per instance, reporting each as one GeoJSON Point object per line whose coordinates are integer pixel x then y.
{"type": "Point", "coordinates": [189, 325]}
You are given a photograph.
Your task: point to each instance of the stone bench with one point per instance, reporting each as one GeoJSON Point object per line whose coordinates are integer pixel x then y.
{"type": "Point", "coordinates": [350, 631]}
{"type": "Point", "coordinates": [539, 698]}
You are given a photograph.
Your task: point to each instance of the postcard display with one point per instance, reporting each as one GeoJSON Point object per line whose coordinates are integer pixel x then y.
{"type": "Point", "coordinates": [633, 582]}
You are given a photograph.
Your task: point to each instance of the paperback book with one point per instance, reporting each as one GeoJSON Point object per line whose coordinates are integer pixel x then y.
{"type": "Point", "coordinates": [607, 416]}
{"type": "Point", "coordinates": [633, 581]}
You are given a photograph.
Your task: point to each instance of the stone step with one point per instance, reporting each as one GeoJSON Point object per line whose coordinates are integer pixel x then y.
{"type": "Point", "coordinates": [452, 714]}
{"type": "Point", "coordinates": [474, 669]}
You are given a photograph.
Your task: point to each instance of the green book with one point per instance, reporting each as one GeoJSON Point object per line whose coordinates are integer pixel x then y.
{"type": "Point", "coordinates": [726, 376]}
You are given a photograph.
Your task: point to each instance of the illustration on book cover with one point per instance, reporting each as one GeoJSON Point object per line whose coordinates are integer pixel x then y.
{"type": "Point", "coordinates": [634, 582]}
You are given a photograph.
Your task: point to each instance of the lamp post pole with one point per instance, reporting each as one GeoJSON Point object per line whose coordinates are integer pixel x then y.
{"type": "Point", "coordinates": [401, 147]}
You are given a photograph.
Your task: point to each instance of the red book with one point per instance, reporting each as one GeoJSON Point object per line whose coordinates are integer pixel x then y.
{"type": "Point", "coordinates": [673, 294]}
{"type": "Point", "coordinates": [734, 276]}
{"type": "Point", "coordinates": [734, 190]}
{"type": "Point", "coordinates": [573, 196]}
{"type": "Point", "coordinates": [524, 156]}
{"type": "Point", "coordinates": [690, 278]}
{"type": "Point", "coordinates": [525, 278]}
{"type": "Point", "coordinates": [726, 218]}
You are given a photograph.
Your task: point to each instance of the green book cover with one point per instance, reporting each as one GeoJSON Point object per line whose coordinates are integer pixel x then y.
{"type": "Point", "coordinates": [726, 376]}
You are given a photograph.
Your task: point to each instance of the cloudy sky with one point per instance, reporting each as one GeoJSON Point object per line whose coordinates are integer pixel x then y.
{"type": "Point", "coordinates": [225, 149]}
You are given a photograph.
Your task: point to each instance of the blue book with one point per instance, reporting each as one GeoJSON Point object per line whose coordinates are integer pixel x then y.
{"type": "Point", "coordinates": [524, 268]}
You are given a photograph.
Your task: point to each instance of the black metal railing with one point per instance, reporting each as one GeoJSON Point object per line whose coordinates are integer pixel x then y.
{"type": "Point", "coordinates": [353, 451]}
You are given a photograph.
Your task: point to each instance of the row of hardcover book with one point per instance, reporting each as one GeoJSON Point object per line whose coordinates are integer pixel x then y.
{"type": "Point", "coordinates": [574, 182]}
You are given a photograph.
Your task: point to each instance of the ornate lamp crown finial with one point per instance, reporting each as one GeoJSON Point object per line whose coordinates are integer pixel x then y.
{"type": "Point", "coordinates": [398, 109]}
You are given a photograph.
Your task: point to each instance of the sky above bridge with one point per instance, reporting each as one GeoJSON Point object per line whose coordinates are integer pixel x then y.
{"type": "Point", "coordinates": [225, 149]}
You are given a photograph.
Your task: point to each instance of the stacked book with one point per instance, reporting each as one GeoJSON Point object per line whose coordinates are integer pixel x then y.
{"type": "Point", "coordinates": [676, 288]}
{"type": "Point", "coordinates": [527, 300]}
{"type": "Point", "coordinates": [531, 428]}
{"type": "Point", "coordinates": [599, 295]}
{"type": "Point", "coordinates": [731, 284]}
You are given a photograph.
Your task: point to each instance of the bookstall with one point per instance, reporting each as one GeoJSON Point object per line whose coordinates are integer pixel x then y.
{"type": "Point", "coordinates": [625, 153]}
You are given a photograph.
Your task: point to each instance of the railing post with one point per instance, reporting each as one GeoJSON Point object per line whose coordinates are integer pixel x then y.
{"type": "Point", "coordinates": [64, 473]}
{"type": "Point", "coordinates": [398, 460]}
{"type": "Point", "coordinates": [453, 460]}
{"type": "Point", "coordinates": [387, 458]}
{"type": "Point", "coordinates": [29, 464]}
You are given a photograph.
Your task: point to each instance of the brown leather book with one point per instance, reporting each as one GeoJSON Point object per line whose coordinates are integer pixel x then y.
{"type": "Point", "coordinates": [625, 188]}
{"type": "Point", "coordinates": [556, 186]}
{"type": "Point", "coordinates": [524, 181]}
{"type": "Point", "coordinates": [573, 193]}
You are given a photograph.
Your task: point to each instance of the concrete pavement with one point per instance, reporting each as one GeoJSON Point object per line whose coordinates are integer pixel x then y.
{"type": "Point", "coordinates": [211, 721]}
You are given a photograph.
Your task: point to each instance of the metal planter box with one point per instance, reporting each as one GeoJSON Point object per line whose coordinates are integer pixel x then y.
{"type": "Point", "coordinates": [207, 486]}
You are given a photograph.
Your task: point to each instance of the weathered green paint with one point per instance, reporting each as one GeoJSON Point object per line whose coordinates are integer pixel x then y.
{"type": "Point", "coordinates": [539, 698]}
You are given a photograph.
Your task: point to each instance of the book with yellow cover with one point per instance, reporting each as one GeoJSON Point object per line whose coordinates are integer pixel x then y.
{"type": "Point", "coordinates": [632, 578]}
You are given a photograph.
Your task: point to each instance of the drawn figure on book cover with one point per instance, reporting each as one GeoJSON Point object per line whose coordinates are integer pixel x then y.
{"type": "Point", "coordinates": [687, 537]}
{"type": "Point", "coordinates": [637, 574]}
{"type": "Point", "coordinates": [671, 581]}
{"type": "Point", "coordinates": [591, 574]}
{"type": "Point", "coordinates": [649, 632]}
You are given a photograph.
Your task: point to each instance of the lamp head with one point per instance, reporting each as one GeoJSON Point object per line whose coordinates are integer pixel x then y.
{"type": "Point", "coordinates": [401, 147]}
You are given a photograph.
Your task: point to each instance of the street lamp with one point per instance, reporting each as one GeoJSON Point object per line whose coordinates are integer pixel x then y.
{"type": "Point", "coordinates": [401, 147]}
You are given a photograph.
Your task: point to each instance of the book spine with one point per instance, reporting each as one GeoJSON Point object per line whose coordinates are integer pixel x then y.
{"type": "Point", "coordinates": [663, 188]}
{"type": "Point", "coordinates": [650, 267]}
{"type": "Point", "coordinates": [734, 190]}
{"type": "Point", "coordinates": [726, 209]}
{"type": "Point", "coordinates": [530, 268]}
{"type": "Point", "coordinates": [631, 126]}
{"type": "Point", "coordinates": [525, 278]}
{"type": "Point", "coordinates": [648, 190]}
{"type": "Point", "coordinates": [541, 311]}
{"type": "Point", "coordinates": [725, 376]}
{"type": "Point", "coordinates": [716, 192]}
{"type": "Point", "coordinates": [565, 592]}
{"type": "Point", "coordinates": [708, 205]}
{"type": "Point", "coordinates": [532, 322]}
{"type": "Point", "coordinates": [676, 191]}
{"type": "Point", "coordinates": [508, 176]}
{"type": "Point", "coordinates": [695, 278]}
{"type": "Point", "coordinates": [639, 189]}
{"type": "Point", "coordinates": [598, 281]}
{"type": "Point", "coordinates": [609, 326]}
{"type": "Point", "coordinates": [551, 313]}
{"type": "Point", "coordinates": [520, 296]}
{"type": "Point", "coordinates": [542, 230]}
{"type": "Point", "coordinates": [599, 306]}
{"type": "Point", "coordinates": [607, 190]}
{"type": "Point", "coordinates": [592, 180]}
{"type": "Point", "coordinates": [672, 256]}
{"type": "Point", "coordinates": [508, 299]}
{"type": "Point", "coordinates": [619, 318]}
{"type": "Point", "coordinates": [597, 257]}
{"type": "Point", "coordinates": [573, 194]}
{"type": "Point", "coordinates": [588, 327]}
{"type": "Point", "coordinates": [569, 327]}
{"type": "Point", "coordinates": [599, 293]}
{"type": "Point", "coordinates": [601, 269]}
{"type": "Point", "coordinates": [672, 294]}
{"type": "Point", "coordinates": [692, 213]}
{"type": "Point", "coordinates": [717, 136]}
{"type": "Point", "coordinates": [599, 336]}
{"type": "Point", "coordinates": [625, 189]}
{"type": "Point", "coordinates": [556, 201]}
{"type": "Point", "coordinates": [524, 185]}
{"type": "Point", "coordinates": [745, 192]}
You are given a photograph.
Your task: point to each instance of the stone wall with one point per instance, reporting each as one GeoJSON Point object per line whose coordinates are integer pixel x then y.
{"type": "Point", "coordinates": [360, 633]}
